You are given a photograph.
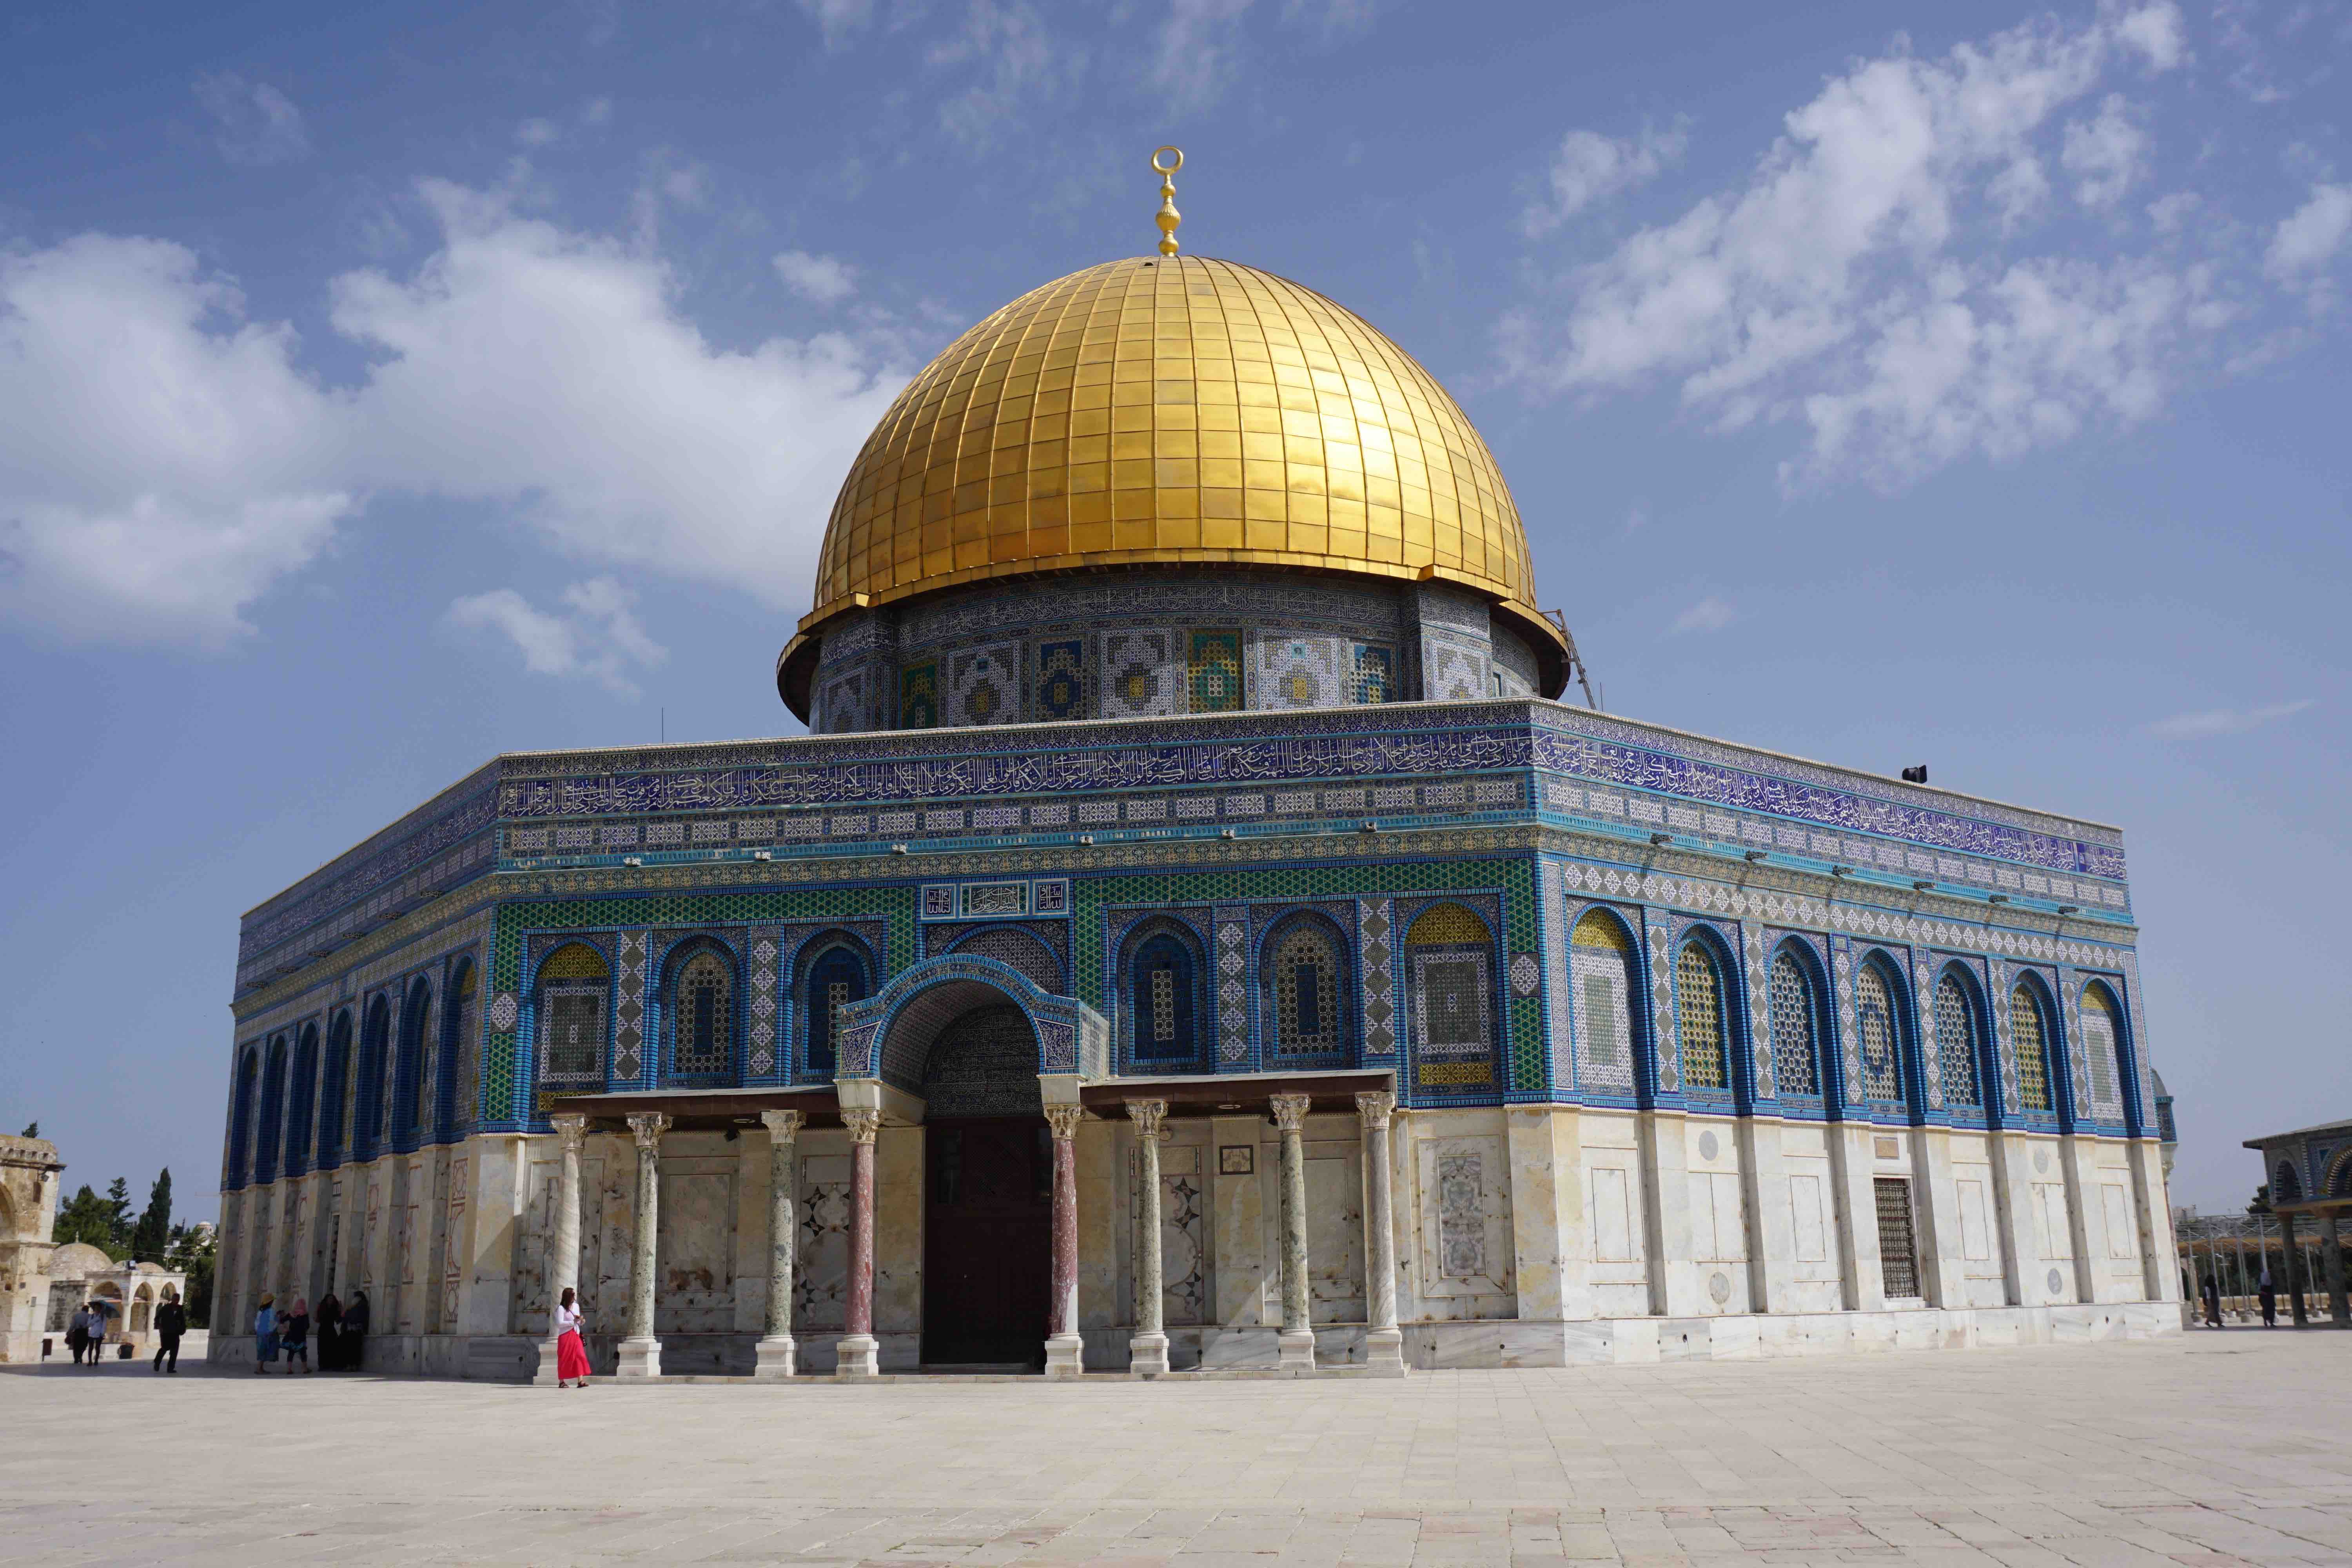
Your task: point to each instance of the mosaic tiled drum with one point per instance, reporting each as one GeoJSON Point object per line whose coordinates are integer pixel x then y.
{"type": "Point", "coordinates": [1193, 938]}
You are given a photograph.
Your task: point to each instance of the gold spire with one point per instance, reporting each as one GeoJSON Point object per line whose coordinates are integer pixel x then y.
{"type": "Point", "coordinates": [1168, 217]}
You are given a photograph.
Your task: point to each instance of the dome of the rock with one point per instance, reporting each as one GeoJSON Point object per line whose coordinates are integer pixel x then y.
{"type": "Point", "coordinates": [1174, 412]}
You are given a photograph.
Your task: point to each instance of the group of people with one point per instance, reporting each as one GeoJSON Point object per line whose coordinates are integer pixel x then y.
{"type": "Point", "coordinates": [342, 1329]}
{"type": "Point", "coordinates": [2267, 1294]}
{"type": "Point", "coordinates": [86, 1335]}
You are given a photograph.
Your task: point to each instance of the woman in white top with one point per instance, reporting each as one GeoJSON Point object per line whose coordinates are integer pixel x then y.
{"type": "Point", "coordinates": [570, 1350]}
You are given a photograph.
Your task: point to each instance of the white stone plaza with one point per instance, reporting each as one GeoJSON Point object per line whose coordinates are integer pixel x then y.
{"type": "Point", "coordinates": [2205, 1447]}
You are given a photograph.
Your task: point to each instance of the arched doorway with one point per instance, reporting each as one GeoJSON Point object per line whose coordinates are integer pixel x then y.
{"type": "Point", "coordinates": [989, 1211]}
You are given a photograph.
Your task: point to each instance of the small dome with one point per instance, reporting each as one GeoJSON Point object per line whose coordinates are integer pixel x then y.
{"type": "Point", "coordinates": [78, 1260]}
{"type": "Point", "coordinates": [1169, 412]}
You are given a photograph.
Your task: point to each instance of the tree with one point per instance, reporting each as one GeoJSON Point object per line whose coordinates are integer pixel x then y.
{"type": "Point", "coordinates": [32, 1129]}
{"type": "Point", "coordinates": [153, 1238]}
{"type": "Point", "coordinates": [193, 1252]}
{"type": "Point", "coordinates": [118, 1210]}
{"type": "Point", "coordinates": [86, 1217]}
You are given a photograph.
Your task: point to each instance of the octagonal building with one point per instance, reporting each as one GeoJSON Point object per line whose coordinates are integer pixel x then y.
{"type": "Point", "coordinates": [1194, 936]}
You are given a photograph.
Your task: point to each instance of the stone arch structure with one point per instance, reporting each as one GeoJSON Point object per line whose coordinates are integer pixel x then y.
{"type": "Point", "coordinates": [889, 1036]}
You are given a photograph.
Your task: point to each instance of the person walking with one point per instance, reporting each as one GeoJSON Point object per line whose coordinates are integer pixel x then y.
{"type": "Point", "coordinates": [571, 1348]}
{"type": "Point", "coordinates": [355, 1328]}
{"type": "Point", "coordinates": [2269, 1293]}
{"type": "Point", "coordinates": [294, 1336]}
{"type": "Point", "coordinates": [171, 1327]}
{"type": "Point", "coordinates": [264, 1334]}
{"type": "Point", "coordinates": [330, 1320]}
{"type": "Point", "coordinates": [78, 1333]}
{"type": "Point", "coordinates": [2212, 1294]}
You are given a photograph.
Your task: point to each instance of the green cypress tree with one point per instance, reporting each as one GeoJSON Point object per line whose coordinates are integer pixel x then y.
{"type": "Point", "coordinates": [153, 1239]}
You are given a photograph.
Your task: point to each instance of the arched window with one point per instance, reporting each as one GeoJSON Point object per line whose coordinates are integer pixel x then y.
{"type": "Point", "coordinates": [273, 1113]}
{"type": "Point", "coordinates": [1796, 1020]}
{"type": "Point", "coordinates": [1601, 959]}
{"type": "Point", "coordinates": [333, 1087]}
{"type": "Point", "coordinates": [241, 1121]}
{"type": "Point", "coordinates": [1451, 955]}
{"type": "Point", "coordinates": [836, 979]}
{"type": "Point", "coordinates": [2287, 1187]}
{"type": "Point", "coordinates": [573, 984]}
{"type": "Point", "coordinates": [410, 1106]}
{"type": "Point", "coordinates": [301, 1113]}
{"type": "Point", "coordinates": [2102, 1033]}
{"type": "Point", "coordinates": [2339, 1177]}
{"type": "Point", "coordinates": [1956, 1041]}
{"type": "Point", "coordinates": [2030, 1040]}
{"type": "Point", "coordinates": [1880, 1032]}
{"type": "Point", "coordinates": [367, 1121]}
{"type": "Point", "coordinates": [1699, 1018]}
{"type": "Point", "coordinates": [703, 1016]}
{"type": "Point", "coordinates": [1162, 988]}
{"type": "Point", "coordinates": [460, 1055]}
{"type": "Point", "coordinates": [1305, 985]}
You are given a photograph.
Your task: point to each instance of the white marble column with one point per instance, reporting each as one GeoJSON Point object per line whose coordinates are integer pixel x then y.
{"type": "Point", "coordinates": [1298, 1337]}
{"type": "Point", "coordinates": [641, 1352]}
{"type": "Point", "coordinates": [1147, 1350]}
{"type": "Point", "coordinates": [1064, 1346]}
{"type": "Point", "coordinates": [859, 1352]}
{"type": "Point", "coordinates": [564, 1245]}
{"type": "Point", "coordinates": [1383, 1340]}
{"type": "Point", "coordinates": [775, 1351]}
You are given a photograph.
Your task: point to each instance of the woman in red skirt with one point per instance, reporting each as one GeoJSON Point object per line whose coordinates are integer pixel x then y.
{"type": "Point", "coordinates": [571, 1350]}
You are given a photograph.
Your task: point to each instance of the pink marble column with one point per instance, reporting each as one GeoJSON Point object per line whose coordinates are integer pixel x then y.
{"type": "Point", "coordinates": [1064, 1349]}
{"type": "Point", "coordinates": [860, 1351]}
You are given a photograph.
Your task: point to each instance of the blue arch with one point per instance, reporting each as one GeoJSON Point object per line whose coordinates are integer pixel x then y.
{"type": "Point", "coordinates": [1982, 1061]}
{"type": "Point", "coordinates": [334, 1082]}
{"type": "Point", "coordinates": [240, 1120]}
{"type": "Point", "coordinates": [302, 1106]}
{"type": "Point", "coordinates": [1343, 1032]}
{"type": "Point", "coordinates": [2054, 1046]}
{"type": "Point", "coordinates": [1739, 1067]}
{"type": "Point", "coordinates": [273, 1113]}
{"type": "Point", "coordinates": [375, 1050]}
{"type": "Point", "coordinates": [675, 959]}
{"type": "Point", "coordinates": [412, 1061]}
{"type": "Point", "coordinates": [458, 1014]}
{"type": "Point", "coordinates": [1820, 1019]}
{"type": "Point", "coordinates": [2127, 1063]}
{"type": "Point", "coordinates": [828, 958]}
{"type": "Point", "coordinates": [1903, 1025]}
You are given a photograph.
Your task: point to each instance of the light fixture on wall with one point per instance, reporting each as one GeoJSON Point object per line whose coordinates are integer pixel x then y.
{"type": "Point", "coordinates": [1996, 898]}
{"type": "Point", "coordinates": [1921, 887]}
{"type": "Point", "coordinates": [1662, 838]}
{"type": "Point", "coordinates": [2070, 909]}
{"type": "Point", "coordinates": [1841, 870]}
{"type": "Point", "coordinates": [1752, 856]}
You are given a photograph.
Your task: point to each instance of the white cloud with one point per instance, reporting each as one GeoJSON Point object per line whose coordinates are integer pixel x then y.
{"type": "Point", "coordinates": [2107, 154]}
{"type": "Point", "coordinates": [600, 639]}
{"type": "Point", "coordinates": [1590, 167]}
{"type": "Point", "coordinates": [1016, 60]}
{"type": "Point", "coordinates": [2310, 237]}
{"type": "Point", "coordinates": [1863, 280]}
{"type": "Point", "coordinates": [258, 123]}
{"type": "Point", "coordinates": [837, 19]}
{"type": "Point", "coordinates": [2204, 725]}
{"type": "Point", "coordinates": [163, 460]}
{"type": "Point", "coordinates": [1197, 50]}
{"type": "Point", "coordinates": [1709, 615]}
{"type": "Point", "coordinates": [822, 279]}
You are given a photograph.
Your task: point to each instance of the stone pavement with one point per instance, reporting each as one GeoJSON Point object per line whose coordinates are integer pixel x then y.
{"type": "Point", "coordinates": [2213, 1449]}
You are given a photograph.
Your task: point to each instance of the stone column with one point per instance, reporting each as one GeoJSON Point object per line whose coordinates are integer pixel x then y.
{"type": "Point", "coordinates": [2331, 1253]}
{"type": "Point", "coordinates": [1146, 1352]}
{"type": "Point", "coordinates": [775, 1348]}
{"type": "Point", "coordinates": [860, 1351]}
{"type": "Point", "coordinates": [2292, 1247]}
{"type": "Point", "coordinates": [1065, 1348]}
{"type": "Point", "coordinates": [564, 1245]}
{"type": "Point", "coordinates": [1384, 1342]}
{"type": "Point", "coordinates": [641, 1352]}
{"type": "Point", "coordinates": [1297, 1338]}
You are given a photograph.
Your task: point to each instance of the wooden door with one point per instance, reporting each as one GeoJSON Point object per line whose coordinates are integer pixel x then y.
{"type": "Point", "coordinates": [988, 1238]}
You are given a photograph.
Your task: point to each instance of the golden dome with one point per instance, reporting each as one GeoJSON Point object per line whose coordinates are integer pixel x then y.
{"type": "Point", "coordinates": [1171, 411]}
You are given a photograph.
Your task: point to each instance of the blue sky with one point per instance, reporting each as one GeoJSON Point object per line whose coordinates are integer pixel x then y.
{"type": "Point", "coordinates": [380, 389]}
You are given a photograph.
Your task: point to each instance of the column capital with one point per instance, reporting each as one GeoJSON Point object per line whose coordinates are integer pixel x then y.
{"type": "Point", "coordinates": [1147, 1115]}
{"type": "Point", "coordinates": [1373, 1107]}
{"type": "Point", "coordinates": [571, 1128]}
{"type": "Point", "coordinates": [783, 1124]}
{"type": "Point", "coordinates": [1065, 1119]}
{"type": "Point", "coordinates": [648, 1127]}
{"type": "Point", "coordinates": [863, 1123]}
{"type": "Point", "coordinates": [1290, 1110]}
